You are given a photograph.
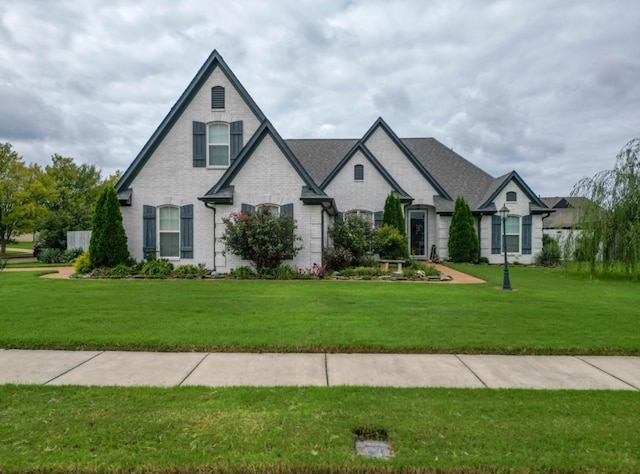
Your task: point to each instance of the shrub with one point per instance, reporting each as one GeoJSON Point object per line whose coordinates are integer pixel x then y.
{"type": "Point", "coordinates": [261, 237]}
{"type": "Point", "coordinates": [108, 244]}
{"type": "Point", "coordinates": [338, 258]}
{"type": "Point", "coordinates": [52, 255]}
{"type": "Point", "coordinates": [283, 272]}
{"type": "Point", "coordinates": [354, 235]}
{"type": "Point", "coordinates": [121, 270]}
{"type": "Point", "coordinates": [368, 261]}
{"type": "Point", "coordinates": [393, 214]}
{"type": "Point", "coordinates": [189, 271]}
{"type": "Point", "coordinates": [160, 268]}
{"type": "Point", "coordinates": [362, 272]}
{"type": "Point", "coordinates": [417, 269]}
{"type": "Point", "coordinates": [393, 245]}
{"type": "Point", "coordinates": [82, 265]}
{"type": "Point", "coordinates": [243, 272]}
{"type": "Point", "coordinates": [463, 240]}
{"type": "Point", "coordinates": [551, 255]}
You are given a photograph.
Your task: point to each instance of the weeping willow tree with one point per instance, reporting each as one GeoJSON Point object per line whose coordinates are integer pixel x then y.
{"type": "Point", "coordinates": [609, 225]}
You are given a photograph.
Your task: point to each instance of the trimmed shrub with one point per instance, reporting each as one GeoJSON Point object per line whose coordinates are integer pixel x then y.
{"type": "Point", "coordinates": [108, 244]}
{"type": "Point", "coordinates": [463, 240]}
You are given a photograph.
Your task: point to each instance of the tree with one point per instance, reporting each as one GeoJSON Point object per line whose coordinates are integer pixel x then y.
{"type": "Point", "coordinates": [22, 190]}
{"type": "Point", "coordinates": [463, 240]}
{"type": "Point", "coordinates": [609, 225]}
{"type": "Point", "coordinates": [393, 214]}
{"type": "Point", "coordinates": [108, 244]}
{"type": "Point", "coordinates": [76, 190]}
{"type": "Point", "coordinates": [261, 237]}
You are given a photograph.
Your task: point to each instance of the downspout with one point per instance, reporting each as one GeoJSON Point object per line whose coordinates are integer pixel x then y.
{"type": "Point", "coordinates": [480, 236]}
{"type": "Point", "coordinates": [213, 208]}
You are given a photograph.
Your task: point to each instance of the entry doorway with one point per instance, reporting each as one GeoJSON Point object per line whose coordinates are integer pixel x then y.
{"type": "Point", "coordinates": [418, 233]}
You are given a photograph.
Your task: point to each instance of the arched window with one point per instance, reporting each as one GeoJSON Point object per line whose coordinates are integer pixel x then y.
{"type": "Point", "coordinates": [218, 140]}
{"type": "Point", "coordinates": [273, 209]}
{"type": "Point", "coordinates": [169, 230]}
{"type": "Point", "coordinates": [358, 172]}
{"type": "Point", "coordinates": [512, 196]}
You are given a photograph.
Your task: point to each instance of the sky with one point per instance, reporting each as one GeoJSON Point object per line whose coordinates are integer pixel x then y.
{"type": "Point", "coordinates": [549, 88]}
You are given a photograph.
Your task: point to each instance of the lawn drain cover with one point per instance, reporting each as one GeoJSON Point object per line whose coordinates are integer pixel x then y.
{"type": "Point", "coordinates": [372, 448]}
{"type": "Point", "coordinates": [372, 443]}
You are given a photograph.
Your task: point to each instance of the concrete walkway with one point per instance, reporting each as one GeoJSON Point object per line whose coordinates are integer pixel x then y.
{"type": "Point", "coordinates": [44, 367]}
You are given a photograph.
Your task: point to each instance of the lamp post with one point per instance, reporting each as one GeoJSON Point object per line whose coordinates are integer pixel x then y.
{"type": "Point", "coordinates": [504, 212]}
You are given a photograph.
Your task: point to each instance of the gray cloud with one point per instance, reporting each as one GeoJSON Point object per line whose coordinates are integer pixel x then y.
{"type": "Point", "coordinates": [549, 89]}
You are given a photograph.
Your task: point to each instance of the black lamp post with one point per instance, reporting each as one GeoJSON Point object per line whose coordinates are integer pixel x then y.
{"type": "Point", "coordinates": [504, 212]}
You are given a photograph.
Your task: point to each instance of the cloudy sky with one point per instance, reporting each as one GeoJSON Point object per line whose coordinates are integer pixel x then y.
{"type": "Point", "coordinates": [550, 88]}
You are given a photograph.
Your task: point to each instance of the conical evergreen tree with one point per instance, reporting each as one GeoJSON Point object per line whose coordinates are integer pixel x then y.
{"type": "Point", "coordinates": [463, 240]}
{"type": "Point", "coordinates": [393, 214]}
{"type": "Point", "coordinates": [108, 244]}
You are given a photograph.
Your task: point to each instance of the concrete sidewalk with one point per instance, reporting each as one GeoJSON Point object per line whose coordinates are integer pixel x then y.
{"type": "Point", "coordinates": [166, 369]}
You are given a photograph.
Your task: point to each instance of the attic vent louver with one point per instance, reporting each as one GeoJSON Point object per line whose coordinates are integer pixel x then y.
{"type": "Point", "coordinates": [217, 97]}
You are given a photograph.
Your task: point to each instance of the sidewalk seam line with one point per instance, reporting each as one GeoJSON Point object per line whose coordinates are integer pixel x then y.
{"type": "Point", "coordinates": [74, 367]}
{"type": "Point", "coordinates": [605, 372]}
{"type": "Point", "coordinates": [471, 370]}
{"type": "Point", "coordinates": [194, 369]}
{"type": "Point", "coordinates": [326, 369]}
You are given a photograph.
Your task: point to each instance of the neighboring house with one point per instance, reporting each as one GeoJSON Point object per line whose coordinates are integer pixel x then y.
{"type": "Point", "coordinates": [215, 153]}
{"type": "Point", "coordinates": [563, 222]}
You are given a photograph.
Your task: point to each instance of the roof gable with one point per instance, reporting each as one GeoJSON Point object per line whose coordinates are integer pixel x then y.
{"type": "Point", "coordinates": [360, 147]}
{"type": "Point", "coordinates": [500, 183]}
{"type": "Point", "coordinates": [381, 124]}
{"type": "Point", "coordinates": [213, 61]}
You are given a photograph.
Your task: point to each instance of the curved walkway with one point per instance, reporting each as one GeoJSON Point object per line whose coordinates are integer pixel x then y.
{"type": "Point", "coordinates": [99, 368]}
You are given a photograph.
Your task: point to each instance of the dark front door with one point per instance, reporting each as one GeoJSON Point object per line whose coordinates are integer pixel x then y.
{"type": "Point", "coordinates": [418, 233]}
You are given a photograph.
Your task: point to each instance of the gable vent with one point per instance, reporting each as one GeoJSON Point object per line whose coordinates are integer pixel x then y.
{"type": "Point", "coordinates": [217, 97]}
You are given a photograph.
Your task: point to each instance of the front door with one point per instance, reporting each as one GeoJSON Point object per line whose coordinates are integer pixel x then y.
{"type": "Point", "coordinates": [418, 233]}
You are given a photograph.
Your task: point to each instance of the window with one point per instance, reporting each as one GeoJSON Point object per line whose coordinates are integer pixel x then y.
{"type": "Point", "coordinates": [358, 172]}
{"type": "Point", "coordinates": [217, 97]}
{"type": "Point", "coordinates": [169, 231]}
{"type": "Point", "coordinates": [273, 209]}
{"type": "Point", "coordinates": [512, 196]}
{"type": "Point", "coordinates": [513, 234]}
{"type": "Point", "coordinates": [218, 140]}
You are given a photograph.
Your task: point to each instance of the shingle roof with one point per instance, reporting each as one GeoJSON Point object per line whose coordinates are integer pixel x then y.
{"type": "Point", "coordinates": [319, 157]}
{"type": "Point", "coordinates": [454, 173]}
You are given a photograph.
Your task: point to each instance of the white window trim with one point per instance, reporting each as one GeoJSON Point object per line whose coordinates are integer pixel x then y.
{"type": "Point", "coordinates": [519, 234]}
{"type": "Point", "coordinates": [219, 167]}
{"type": "Point", "coordinates": [160, 231]}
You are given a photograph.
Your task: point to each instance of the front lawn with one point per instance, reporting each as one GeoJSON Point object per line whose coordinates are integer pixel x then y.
{"type": "Point", "coordinates": [549, 312]}
{"type": "Point", "coordinates": [286, 430]}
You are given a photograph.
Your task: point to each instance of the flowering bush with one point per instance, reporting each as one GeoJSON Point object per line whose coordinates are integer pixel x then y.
{"type": "Point", "coordinates": [262, 238]}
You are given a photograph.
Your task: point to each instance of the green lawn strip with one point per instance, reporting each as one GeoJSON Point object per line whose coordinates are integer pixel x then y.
{"type": "Point", "coordinates": [159, 430]}
{"type": "Point", "coordinates": [549, 312]}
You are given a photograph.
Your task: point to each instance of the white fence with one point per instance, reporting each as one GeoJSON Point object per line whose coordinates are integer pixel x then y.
{"type": "Point", "coordinates": [78, 239]}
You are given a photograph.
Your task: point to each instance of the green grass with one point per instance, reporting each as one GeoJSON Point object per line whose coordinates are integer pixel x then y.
{"type": "Point", "coordinates": [549, 312]}
{"type": "Point", "coordinates": [279, 429]}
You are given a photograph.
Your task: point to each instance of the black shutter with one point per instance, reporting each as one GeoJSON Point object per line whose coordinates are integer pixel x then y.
{"type": "Point", "coordinates": [377, 219]}
{"type": "Point", "coordinates": [148, 231]}
{"type": "Point", "coordinates": [287, 209]}
{"type": "Point", "coordinates": [527, 222]}
{"type": "Point", "coordinates": [340, 216]}
{"type": "Point", "coordinates": [248, 208]}
{"type": "Point", "coordinates": [235, 136]}
{"type": "Point", "coordinates": [496, 238]}
{"type": "Point", "coordinates": [186, 231]}
{"type": "Point", "coordinates": [217, 97]}
{"type": "Point", "coordinates": [199, 145]}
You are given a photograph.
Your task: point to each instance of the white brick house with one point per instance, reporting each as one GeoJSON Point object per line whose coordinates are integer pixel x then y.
{"type": "Point", "coordinates": [215, 153]}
